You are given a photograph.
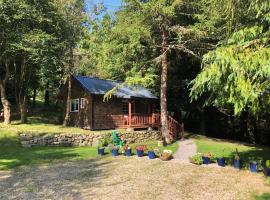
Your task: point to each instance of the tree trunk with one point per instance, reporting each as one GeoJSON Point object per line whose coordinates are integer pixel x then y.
{"type": "Point", "coordinates": [34, 97]}
{"type": "Point", "coordinates": [22, 96]}
{"type": "Point", "coordinates": [47, 96]}
{"type": "Point", "coordinates": [5, 103]}
{"type": "Point", "coordinates": [67, 114]}
{"type": "Point", "coordinates": [202, 122]}
{"type": "Point", "coordinates": [23, 110]}
{"type": "Point", "coordinates": [4, 99]}
{"type": "Point", "coordinates": [16, 92]}
{"type": "Point", "coordinates": [163, 88]}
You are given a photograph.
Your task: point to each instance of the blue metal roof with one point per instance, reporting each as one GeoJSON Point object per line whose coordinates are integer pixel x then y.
{"type": "Point", "coordinates": [100, 87]}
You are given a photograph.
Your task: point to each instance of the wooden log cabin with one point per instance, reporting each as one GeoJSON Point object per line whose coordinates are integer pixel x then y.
{"type": "Point", "coordinates": [129, 108]}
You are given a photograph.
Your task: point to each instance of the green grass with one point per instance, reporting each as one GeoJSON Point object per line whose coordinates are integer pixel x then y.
{"type": "Point", "coordinates": [248, 153]}
{"type": "Point", "coordinates": [13, 155]}
{"type": "Point", "coordinates": [45, 123]}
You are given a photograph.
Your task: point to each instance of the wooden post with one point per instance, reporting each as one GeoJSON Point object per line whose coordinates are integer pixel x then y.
{"type": "Point", "coordinates": [149, 113]}
{"type": "Point", "coordinates": [129, 112]}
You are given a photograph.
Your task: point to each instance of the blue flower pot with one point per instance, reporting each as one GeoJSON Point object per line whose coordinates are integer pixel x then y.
{"type": "Point", "coordinates": [237, 164]}
{"type": "Point", "coordinates": [128, 152]}
{"type": "Point", "coordinates": [206, 160]}
{"type": "Point", "coordinates": [101, 151]}
{"type": "Point", "coordinates": [115, 152]}
{"type": "Point", "coordinates": [221, 162]}
{"type": "Point", "coordinates": [253, 167]}
{"type": "Point", "coordinates": [266, 171]}
{"type": "Point", "coordinates": [151, 155]}
{"type": "Point", "coordinates": [140, 153]}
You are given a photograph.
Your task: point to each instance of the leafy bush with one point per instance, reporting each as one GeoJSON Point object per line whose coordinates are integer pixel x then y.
{"type": "Point", "coordinates": [106, 140]}
{"type": "Point", "coordinates": [196, 159]}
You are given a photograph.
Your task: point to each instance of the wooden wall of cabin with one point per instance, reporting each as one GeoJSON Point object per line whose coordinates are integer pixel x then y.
{"type": "Point", "coordinates": [83, 118]}
{"type": "Point", "coordinates": [103, 110]}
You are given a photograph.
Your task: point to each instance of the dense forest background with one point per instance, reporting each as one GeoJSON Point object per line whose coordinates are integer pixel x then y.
{"type": "Point", "coordinates": [209, 58]}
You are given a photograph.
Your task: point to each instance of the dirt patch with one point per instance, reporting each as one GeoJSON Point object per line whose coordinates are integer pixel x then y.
{"type": "Point", "coordinates": [129, 178]}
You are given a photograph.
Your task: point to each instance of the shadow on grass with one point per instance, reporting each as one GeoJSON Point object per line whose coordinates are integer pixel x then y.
{"type": "Point", "coordinates": [44, 117]}
{"type": "Point", "coordinates": [253, 155]}
{"type": "Point", "coordinates": [17, 157]}
{"type": "Point", "coordinates": [13, 155]}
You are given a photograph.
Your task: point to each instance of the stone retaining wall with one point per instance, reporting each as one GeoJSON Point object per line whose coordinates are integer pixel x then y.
{"type": "Point", "coordinates": [29, 140]}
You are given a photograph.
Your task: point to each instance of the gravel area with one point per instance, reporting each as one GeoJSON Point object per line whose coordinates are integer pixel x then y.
{"type": "Point", "coordinates": [129, 178]}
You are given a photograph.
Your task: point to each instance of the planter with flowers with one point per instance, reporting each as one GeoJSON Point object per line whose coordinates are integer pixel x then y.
{"type": "Point", "coordinates": [127, 150]}
{"type": "Point", "coordinates": [101, 146]}
{"type": "Point", "coordinates": [101, 151]}
{"type": "Point", "coordinates": [207, 157]}
{"type": "Point", "coordinates": [221, 161]}
{"type": "Point", "coordinates": [166, 155]}
{"type": "Point", "coordinates": [237, 161]}
{"type": "Point", "coordinates": [140, 150]}
{"type": "Point", "coordinates": [253, 166]}
{"type": "Point", "coordinates": [151, 154]}
{"type": "Point", "coordinates": [114, 150]}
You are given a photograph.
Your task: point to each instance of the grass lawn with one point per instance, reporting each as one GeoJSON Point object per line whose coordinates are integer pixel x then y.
{"type": "Point", "coordinates": [45, 123]}
{"type": "Point", "coordinates": [13, 155]}
{"type": "Point", "coordinates": [221, 148]}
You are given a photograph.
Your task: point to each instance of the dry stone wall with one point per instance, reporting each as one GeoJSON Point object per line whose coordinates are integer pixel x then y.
{"type": "Point", "coordinates": [30, 140]}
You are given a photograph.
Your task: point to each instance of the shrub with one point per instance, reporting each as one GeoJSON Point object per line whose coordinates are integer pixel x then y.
{"type": "Point", "coordinates": [106, 140]}
{"type": "Point", "coordinates": [196, 159]}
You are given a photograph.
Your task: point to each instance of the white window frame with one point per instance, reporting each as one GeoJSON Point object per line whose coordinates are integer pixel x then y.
{"type": "Point", "coordinates": [78, 102]}
{"type": "Point", "coordinates": [83, 102]}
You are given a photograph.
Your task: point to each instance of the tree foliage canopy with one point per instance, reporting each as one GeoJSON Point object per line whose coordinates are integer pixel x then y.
{"type": "Point", "coordinates": [236, 73]}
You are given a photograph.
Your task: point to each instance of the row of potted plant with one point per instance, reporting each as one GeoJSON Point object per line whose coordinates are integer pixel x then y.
{"type": "Point", "coordinates": [237, 163]}
{"type": "Point", "coordinates": [140, 152]}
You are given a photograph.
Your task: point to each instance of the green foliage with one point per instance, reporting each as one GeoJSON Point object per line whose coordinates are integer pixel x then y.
{"type": "Point", "coordinates": [236, 73]}
{"type": "Point", "coordinates": [196, 159]}
{"type": "Point", "coordinates": [106, 140]}
{"type": "Point", "coordinates": [247, 153]}
{"type": "Point", "coordinates": [128, 47]}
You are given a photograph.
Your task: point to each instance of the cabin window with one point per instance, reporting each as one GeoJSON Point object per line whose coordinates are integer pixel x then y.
{"type": "Point", "coordinates": [83, 100]}
{"type": "Point", "coordinates": [125, 108]}
{"type": "Point", "coordinates": [74, 105]}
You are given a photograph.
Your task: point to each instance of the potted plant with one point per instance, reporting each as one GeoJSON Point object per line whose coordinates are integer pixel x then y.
{"type": "Point", "coordinates": [101, 146]}
{"type": "Point", "coordinates": [101, 151]}
{"type": "Point", "coordinates": [266, 169]}
{"type": "Point", "coordinates": [115, 150]}
{"type": "Point", "coordinates": [196, 159]}
{"type": "Point", "coordinates": [127, 150]}
{"type": "Point", "coordinates": [253, 166]}
{"type": "Point", "coordinates": [207, 158]}
{"type": "Point", "coordinates": [237, 161]}
{"type": "Point", "coordinates": [221, 160]}
{"type": "Point", "coordinates": [151, 154]}
{"type": "Point", "coordinates": [140, 150]}
{"type": "Point", "coordinates": [166, 155]}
